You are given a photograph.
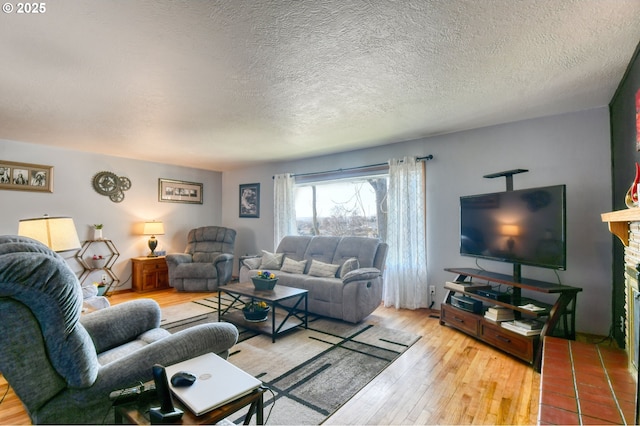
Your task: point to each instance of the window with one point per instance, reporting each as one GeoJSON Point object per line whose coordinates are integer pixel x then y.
{"type": "Point", "coordinates": [351, 206]}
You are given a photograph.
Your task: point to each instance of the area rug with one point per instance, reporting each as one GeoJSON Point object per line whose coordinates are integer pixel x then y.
{"type": "Point", "coordinates": [313, 372]}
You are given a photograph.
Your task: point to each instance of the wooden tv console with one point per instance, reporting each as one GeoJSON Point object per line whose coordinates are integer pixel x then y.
{"type": "Point", "coordinates": [527, 348]}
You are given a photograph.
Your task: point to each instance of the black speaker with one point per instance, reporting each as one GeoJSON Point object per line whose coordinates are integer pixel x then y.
{"type": "Point", "coordinates": [166, 413]}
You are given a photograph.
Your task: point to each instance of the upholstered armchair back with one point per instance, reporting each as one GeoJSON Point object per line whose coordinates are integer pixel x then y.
{"type": "Point", "coordinates": [205, 243]}
{"type": "Point", "coordinates": [207, 261]}
{"type": "Point", "coordinates": [44, 347]}
{"type": "Point", "coordinates": [62, 365]}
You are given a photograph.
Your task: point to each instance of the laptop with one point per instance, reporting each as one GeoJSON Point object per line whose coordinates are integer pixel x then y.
{"type": "Point", "coordinates": [217, 383]}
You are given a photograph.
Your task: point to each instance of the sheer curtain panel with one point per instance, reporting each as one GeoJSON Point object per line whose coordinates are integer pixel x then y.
{"type": "Point", "coordinates": [284, 215]}
{"type": "Point", "coordinates": [405, 282]}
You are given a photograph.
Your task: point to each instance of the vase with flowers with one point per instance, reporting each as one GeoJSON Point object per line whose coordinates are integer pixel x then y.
{"type": "Point", "coordinates": [264, 280]}
{"type": "Point", "coordinates": [255, 311]}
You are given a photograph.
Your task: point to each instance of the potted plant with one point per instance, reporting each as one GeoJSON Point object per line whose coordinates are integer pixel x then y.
{"type": "Point", "coordinates": [102, 287]}
{"type": "Point", "coordinates": [255, 311]}
{"type": "Point", "coordinates": [97, 231]}
{"type": "Point", "coordinates": [264, 280]}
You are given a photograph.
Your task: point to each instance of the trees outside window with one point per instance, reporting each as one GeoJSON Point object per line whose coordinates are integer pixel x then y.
{"type": "Point", "coordinates": [348, 207]}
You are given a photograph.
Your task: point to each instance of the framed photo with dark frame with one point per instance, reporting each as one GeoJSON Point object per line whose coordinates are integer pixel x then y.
{"type": "Point", "coordinates": [179, 191]}
{"type": "Point", "coordinates": [26, 176]}
{"type": "Point", "coordinates": [250, 200]}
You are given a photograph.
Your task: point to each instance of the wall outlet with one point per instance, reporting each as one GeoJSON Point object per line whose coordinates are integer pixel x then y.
{"type": "Point", "coordinates": [104, 278]}
{"type": "Point", "coordinates": [432, 290]}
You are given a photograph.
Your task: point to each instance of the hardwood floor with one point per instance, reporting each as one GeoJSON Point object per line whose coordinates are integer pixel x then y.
{"type": "Point", "coordinates": [445, 378]}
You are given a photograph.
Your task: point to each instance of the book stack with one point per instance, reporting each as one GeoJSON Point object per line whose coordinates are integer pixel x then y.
{"type": "Point", "coordinates": [499, 314]}
{"type": "Point", "coordinates": [462, 286]}
{"type": "Point", "coordinates": [526, 327]}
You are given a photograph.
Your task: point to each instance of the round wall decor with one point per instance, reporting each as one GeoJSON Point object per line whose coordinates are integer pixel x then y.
{"type": "Point", "coordinates": [111, 185]}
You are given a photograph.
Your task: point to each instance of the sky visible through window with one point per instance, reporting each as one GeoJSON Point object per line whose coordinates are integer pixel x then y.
{"type": "Point", "coordinates": [328, 195]}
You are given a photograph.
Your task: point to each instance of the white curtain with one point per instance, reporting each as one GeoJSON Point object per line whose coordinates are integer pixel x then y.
{"type": "Point", "coordinates": [405, 276]}
{"type": "Point", "coordinates": [284, 214]}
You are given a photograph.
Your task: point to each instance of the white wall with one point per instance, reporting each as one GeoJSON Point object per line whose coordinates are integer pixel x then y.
{"type": "Point", "coordinates": [73, 195]}
{"type": "Point", "coordinates": [571, 149]}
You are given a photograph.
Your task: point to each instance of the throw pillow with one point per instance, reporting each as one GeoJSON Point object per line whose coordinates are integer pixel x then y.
{"type": "Point", "coordinates": [271, 260]}
{"type": "Point", "coordinates": [321, 269]}
{"type": "Point", "coordinates": [252, 262]}
{"type": "Point", "coordinates": [293, 266]}
{"type": "Point", "coordinates": [348, 266]}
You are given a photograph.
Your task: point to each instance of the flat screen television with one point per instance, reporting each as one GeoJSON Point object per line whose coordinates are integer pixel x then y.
{"type": "Point", "coordinates": [523, 227]}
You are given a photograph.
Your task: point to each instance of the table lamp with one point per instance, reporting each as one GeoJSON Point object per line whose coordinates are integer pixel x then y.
{"type": "Point", "coordinates": [57, 233]}
{"type": "Point", "coordinates": [510, 231]}
{"type": "Point", "coordinates": [153, 228]}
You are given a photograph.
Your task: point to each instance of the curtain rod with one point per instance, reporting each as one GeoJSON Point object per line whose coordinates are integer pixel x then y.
{"type": "Point", "coordinates": [348, 169]}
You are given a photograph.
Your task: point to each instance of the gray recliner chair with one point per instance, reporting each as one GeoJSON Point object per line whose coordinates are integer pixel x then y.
{"type": "Point", "coordinates": [62, 365]}
{"type": "Point", "coordinates": [206, 263]}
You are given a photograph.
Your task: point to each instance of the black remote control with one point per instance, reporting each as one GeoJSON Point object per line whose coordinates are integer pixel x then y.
{"type": "Point", "coordinates": [124, 396]}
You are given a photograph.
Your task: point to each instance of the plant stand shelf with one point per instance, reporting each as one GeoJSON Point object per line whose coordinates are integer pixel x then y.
{"type": "Point", "coordinates": [89, 268]}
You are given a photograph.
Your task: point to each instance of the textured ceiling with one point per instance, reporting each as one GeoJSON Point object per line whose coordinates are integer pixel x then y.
{"type": "Point", "coordinates": [220, 84]}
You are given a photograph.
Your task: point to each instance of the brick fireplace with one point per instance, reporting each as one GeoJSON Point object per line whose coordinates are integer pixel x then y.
{"type": "Point", "coordinates": [625, 224]}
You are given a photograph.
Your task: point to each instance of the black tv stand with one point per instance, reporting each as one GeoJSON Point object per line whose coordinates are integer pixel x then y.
{"type": "Point", "coordinates": [527, 348]}
{"type": "Point", "coordinates": [507, 174]}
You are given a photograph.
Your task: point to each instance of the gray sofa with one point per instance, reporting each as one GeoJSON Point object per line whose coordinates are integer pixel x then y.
{"type": "Point", "coordinates": [342, 274]}
{"type": "Point", "coordinates": [63, 365]}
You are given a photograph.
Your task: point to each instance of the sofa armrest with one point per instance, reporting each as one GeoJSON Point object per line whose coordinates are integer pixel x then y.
{"type": "Point", "coordinates": [361, 274]}
{"type": "Point", "coordinates": [136, 367]}
{"type": "Point", "coordinates": [121, 323]}
{"type": "Point", "coordinates": [223, 257]}
{"type": "Point", "coordinates": [249, 260]}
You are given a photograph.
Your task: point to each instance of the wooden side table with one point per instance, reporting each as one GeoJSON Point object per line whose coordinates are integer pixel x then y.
{"type": "Point", "coordinates": [149, 273]}
{"type": "Point", "coordinates": [137, 413]}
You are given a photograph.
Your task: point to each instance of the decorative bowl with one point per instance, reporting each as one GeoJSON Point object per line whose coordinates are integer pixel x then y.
{"type": "Point", "coordinates": [98, 263]}
{"type": "Point", "coordinates": [256, 315]}
{"type": "Point", "coordinates": [264, 283]}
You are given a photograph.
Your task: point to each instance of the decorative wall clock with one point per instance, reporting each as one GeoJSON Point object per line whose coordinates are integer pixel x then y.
{"type": "Point", "coordinates": [111, 185]}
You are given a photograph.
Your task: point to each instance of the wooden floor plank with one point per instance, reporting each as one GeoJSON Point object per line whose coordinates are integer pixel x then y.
{"type": "Point", "coordinates": [444, 378]}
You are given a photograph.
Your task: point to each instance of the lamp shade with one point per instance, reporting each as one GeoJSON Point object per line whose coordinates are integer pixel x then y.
{"type": "Point", "coordinates": [510, 230]}
{"type": "Point", "coordinates": [153, 228]}
{"type": "Point", "coordinates": [57, 233]}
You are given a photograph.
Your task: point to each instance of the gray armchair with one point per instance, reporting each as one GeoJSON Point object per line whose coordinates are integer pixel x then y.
{"type": "Point", "coordinates": [206, 263]}
{"type": "Point", "coordinates": [62, 365]}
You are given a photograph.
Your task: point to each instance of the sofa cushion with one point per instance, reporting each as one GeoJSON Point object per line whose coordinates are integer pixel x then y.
{"type": "Point", "coordinates": [271, 260]}
{"type": "Point", "coordinates": [348, 266]}
{"type": "Point", "coordinates": [204, 257]}
{"type": "Point", "coordinates": [362, 248]}
{"type": "Point", "coordinates": [293, 266]}
{"type": "Point", "coordinates": [196, 270]}
{"type": "Point", "coordinates": [321, 269]}
{"type": "Point", "coordinates": [322, 249]}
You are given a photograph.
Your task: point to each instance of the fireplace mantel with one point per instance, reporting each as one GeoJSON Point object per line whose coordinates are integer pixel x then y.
{"type": "Point", "coordinates": [619, 222]}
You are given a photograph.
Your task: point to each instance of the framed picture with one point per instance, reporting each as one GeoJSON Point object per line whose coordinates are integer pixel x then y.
{"type": "Point", "coordinates": [26, 176]}
{"type": "Point", "coordinates": [250, 200]}
{"type": "Point", "coordinates": [178, 191]}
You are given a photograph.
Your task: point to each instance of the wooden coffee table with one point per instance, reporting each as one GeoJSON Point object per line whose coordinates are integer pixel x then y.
{"type": "Point", "coordinates": [137, 413]}
{"type": "Point", "coordinates": [281, 318]}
